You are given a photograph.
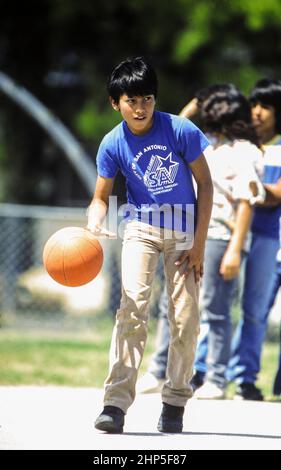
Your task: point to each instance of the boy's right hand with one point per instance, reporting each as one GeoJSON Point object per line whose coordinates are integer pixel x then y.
{"type": "Point", "coordinates": [100, 231]}
{"type": "Point", "coordinates": [96, 213]}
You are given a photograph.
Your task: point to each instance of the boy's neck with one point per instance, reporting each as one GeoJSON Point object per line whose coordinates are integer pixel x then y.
{"type": "Point", "coordinates": [143, 131]}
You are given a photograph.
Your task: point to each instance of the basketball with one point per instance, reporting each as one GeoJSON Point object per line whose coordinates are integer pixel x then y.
{"type": "Point", "coordinates": [73, 256]}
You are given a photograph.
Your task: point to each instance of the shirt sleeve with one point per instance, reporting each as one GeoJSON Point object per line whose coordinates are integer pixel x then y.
{"type": "Point", "coordinates": [246, 158]}
{"type": "Point", "coordinates": [193, 141]}
{"type": "Point", "coordinates": [106, 160]}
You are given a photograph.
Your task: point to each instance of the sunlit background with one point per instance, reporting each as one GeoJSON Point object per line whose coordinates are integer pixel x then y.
{"type": "Point", "coordinates": [55, 56]}
{"type": "Point", "coordinates": [63, 50]}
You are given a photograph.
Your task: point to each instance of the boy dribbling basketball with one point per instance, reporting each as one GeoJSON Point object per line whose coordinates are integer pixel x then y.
{"type": "Point", "coordinates": [158, 153]}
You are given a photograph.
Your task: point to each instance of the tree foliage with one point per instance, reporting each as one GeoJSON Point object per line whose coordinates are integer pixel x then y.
{"type": "Point", "coordinates": [63, 50]}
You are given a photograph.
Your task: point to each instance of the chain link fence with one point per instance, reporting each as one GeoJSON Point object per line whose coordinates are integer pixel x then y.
{"type": "Point", "coordinates": [28, 295]}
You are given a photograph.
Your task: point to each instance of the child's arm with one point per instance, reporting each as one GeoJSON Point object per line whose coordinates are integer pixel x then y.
{"type": "Point", "coordinates": [273, 193]}
{"type": "Point", "coordinates": [195, 256]}
{"type": "Point", "coordinates": [230, 224]}
{"type": "Point", "coordinates": [231, 261]}
{"type": "Point", "coordinates": [190, 109]}
{"type": "Point", "coordinates": [99, 205]}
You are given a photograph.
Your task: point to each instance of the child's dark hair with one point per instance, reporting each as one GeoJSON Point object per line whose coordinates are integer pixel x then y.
{"type": "Point", "coordinates": [133, 77]}
{"type": "Point", "coordinates": [229, 114]}
{"type": "Point", "coordinates": [217, 88]}
{"type": "Point", "coordinates": [268, 92]}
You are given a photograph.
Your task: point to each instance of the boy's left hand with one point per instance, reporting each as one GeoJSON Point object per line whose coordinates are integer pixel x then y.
{"type": "Point", "coordinates": [194, 258]}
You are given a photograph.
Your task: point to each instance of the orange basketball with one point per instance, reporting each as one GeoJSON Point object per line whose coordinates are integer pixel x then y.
{"type": "Point", "coordinates": [73, 256]}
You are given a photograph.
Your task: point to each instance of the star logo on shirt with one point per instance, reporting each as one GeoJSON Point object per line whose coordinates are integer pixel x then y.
{"type": "Point", "coordinates": [161, 171]}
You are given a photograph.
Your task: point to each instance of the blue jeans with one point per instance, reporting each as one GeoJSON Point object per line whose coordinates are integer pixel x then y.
{"type": "Point", "coordinates": [216, 303]}
{"type": "Point", "coordinates": [257, 294]}
{"type": "Point", "coordinates": [215, 326]}
{"type": "Point", "coordinates": [200, 364]}
{"type": "Point", "coordinates": [276, 285]}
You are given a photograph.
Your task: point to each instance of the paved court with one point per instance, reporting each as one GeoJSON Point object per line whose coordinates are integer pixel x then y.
{"type": "Point", "coordinates": [62, 418]}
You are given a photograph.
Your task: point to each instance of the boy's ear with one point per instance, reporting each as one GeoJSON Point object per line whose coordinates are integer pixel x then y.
{"type": "Point", "coordinates": [114, 105]}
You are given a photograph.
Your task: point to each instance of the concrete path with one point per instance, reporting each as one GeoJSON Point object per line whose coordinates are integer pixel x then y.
{"type": "Point", "coordinates": [62, 418]}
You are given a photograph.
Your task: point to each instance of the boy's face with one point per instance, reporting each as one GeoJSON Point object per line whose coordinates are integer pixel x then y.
{"type": "Point", "coordinates": [137, 111]}
{"type": "Point", "coordinates": [263, 117]}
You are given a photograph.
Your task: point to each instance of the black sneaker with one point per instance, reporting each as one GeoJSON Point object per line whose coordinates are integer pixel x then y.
{"type": "Point", "coordinates": [111, 420]}
{"type": "Point", "coordinates": [197, 380]}
{"type": "Point", "coordinates": [248, 391]}
{"type": "Point", "coordinates": [171, 418]}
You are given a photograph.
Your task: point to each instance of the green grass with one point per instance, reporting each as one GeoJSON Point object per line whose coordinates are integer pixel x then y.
{"type": "Point", "coordinates": [267, 373]}
{"type": "Point", "coordinates": [269, 367]}
{"type": "Point", "coordinates": [81, 359]}
{"type": "Point", "coordinates": [41, 358]}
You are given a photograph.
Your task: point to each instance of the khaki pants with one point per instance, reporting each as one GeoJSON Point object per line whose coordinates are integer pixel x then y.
{"type": "Point", "coordinates": [142, 246]}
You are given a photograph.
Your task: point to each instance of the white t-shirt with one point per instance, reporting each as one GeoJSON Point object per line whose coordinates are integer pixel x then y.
{"type": "Point", "coordinates": [233, 165]}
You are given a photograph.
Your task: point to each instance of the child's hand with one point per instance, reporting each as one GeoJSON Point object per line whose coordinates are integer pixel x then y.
{"type": "Point", "coordinates": [194, 259]}
{"type": "Point", "coordinates": [230, 265]}
{"type": "Point", "coordinates": [258, 193]}
{"type": "Point", "coordinates": [99, 231]}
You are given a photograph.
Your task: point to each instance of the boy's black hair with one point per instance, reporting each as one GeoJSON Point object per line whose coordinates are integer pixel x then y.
{"type": "Point", "coordinates": [133, 77]}
{"type": "Point", "coordinates": [268, 92]}
{"type": "Point", "coordinates": [229, 114]}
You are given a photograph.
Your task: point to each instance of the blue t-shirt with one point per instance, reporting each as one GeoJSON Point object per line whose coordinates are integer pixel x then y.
{"type": "Point", "coordinates": [155, 166]}
{"type": "Point", "coordinates": [266, 219]}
